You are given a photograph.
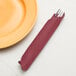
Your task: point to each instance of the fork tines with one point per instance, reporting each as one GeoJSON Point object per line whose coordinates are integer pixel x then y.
{"type": "Point", "coordinates": [59, 13]}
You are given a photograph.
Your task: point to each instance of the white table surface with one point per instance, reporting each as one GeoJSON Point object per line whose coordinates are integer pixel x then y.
{"type": "Point", "coordinates": [58, 58]}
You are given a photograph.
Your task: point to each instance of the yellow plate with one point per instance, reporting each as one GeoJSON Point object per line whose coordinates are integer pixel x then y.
{"type": "Point", "coordinates": [17, 18]}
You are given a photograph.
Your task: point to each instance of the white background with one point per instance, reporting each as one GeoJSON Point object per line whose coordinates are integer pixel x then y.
{"type": "Point", "coordinates": [58, 58]}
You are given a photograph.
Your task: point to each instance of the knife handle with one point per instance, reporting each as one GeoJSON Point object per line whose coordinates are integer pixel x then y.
{"type": "Point", "coordinates": [40, 41]}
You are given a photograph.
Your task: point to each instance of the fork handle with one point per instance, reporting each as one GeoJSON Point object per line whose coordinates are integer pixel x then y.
{"type": "Point", "coordinates": [39, 42]}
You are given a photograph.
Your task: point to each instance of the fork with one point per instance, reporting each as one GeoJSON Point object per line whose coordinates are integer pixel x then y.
{"type": "Point", "coordinates": [41, 39]}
